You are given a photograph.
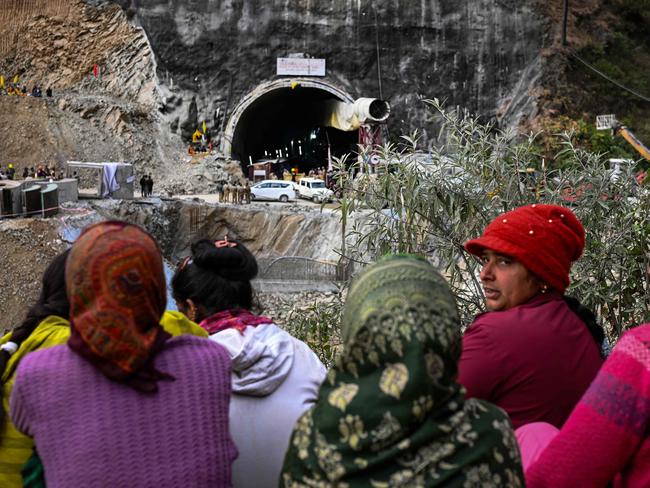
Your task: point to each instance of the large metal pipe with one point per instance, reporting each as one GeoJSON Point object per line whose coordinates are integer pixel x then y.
{"type": "Point", "coordinates": [350, 116]}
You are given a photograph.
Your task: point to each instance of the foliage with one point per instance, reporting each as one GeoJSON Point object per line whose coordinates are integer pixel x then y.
{"type": "Point", "coordinates": [318, 326]}
{"type": "Point", "coordinates": [584, 135]}
{"type": "Point", "coordinates": [623, 54]}
{"type": "Point", "coordinates": [431, 203]}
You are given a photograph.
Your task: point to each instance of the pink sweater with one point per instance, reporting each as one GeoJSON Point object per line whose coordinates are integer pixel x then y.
{"type": "Point", "coordinates": [90, 431]}
{"type": "Point", "coordinates": [607, 436]}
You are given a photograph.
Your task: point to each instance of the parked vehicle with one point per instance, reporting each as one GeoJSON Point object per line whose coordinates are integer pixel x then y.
{"type": "Point", "coordinates": [313, 189]}
{"type": "Point", "coordinates": [273, 190]}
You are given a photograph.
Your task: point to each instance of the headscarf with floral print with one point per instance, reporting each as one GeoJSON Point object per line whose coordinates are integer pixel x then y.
{"type": "Point", "coordinates": [116, 287]}
{"type": "Point", "coordinates": [391, 412]}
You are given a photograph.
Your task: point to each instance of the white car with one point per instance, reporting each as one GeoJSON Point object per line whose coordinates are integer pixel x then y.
{"type": "Point", "coordinates": [273, 190]}
{"type": "Point", "coordinates": [313, 189]}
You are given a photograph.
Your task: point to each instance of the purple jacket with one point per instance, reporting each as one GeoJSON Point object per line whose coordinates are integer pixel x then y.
{"type": "Point", "coordinates": [90, 431]}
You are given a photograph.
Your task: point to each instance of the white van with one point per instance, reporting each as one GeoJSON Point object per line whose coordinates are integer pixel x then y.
{"type": "Point", "coordinates": [313, 189]}
{"type": "Point", "coordinates": [273, 190]}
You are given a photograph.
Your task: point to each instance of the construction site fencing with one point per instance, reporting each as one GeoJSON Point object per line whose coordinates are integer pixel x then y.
{"type": "Point", "coordinates": [300, 268]}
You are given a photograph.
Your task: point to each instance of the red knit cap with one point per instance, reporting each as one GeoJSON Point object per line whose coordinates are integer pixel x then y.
{"type": "Point", "coordinates": [546, 239]}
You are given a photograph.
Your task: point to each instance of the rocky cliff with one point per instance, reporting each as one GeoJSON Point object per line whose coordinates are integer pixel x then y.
{"type": "Point", "coordinates": [481, 55]}
{"type": "Point", "coordinates": [164, 67]}
{"type": "Point", "coordinates": [109, 115]}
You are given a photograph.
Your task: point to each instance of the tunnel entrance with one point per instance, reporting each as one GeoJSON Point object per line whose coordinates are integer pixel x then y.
{"type": "Point", "coordinates": [284, 121]}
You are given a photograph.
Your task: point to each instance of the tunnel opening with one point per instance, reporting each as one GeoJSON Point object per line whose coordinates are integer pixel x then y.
{"type": "Point", "coordinates": [286, 124]}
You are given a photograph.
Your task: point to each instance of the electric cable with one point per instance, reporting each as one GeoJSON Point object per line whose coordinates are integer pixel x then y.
{"type": "Point", "coordinates": [611, 80]}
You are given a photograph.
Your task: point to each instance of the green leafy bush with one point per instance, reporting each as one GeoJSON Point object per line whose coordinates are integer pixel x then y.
{"type": "Point", "coordinates": [431, 202]}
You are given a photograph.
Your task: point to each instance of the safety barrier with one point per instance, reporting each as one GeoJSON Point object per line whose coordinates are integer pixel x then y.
{"type": "Point", "coordinates": [41, 212]}
{"type": "Point", "coordinates": [302, 268]}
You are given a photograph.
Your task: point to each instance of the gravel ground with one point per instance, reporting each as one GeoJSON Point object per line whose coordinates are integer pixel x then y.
{"type": "Point", "coordinates": [26, 248]}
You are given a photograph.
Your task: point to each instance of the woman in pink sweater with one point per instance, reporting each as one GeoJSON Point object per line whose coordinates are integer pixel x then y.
{"type": "Point", "coordinates": [605, 440]}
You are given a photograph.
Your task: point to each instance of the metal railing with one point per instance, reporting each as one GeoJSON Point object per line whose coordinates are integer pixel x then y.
{"type": "Point", "coordinates": [303, 269]}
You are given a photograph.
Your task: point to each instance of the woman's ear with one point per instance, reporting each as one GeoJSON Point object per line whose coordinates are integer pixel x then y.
{"type": "Point", "coordinates": [188, 308]}
{"type": "Point", "coordinates": [191, 309]}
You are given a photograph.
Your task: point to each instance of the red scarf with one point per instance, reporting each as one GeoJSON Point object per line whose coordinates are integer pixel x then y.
{"type": "Point", "coordinates": [236, 318]}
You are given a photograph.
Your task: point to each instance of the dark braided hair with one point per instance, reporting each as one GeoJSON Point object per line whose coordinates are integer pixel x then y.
{"type": "Point", "coordinates": [589, 319]}
{"type": "Point", "coordinates": [52, 301]}
{"type": "Point", "coordinates": [217, 278]}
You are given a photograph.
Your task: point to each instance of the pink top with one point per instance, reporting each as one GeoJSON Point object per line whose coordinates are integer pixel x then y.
{"type": "Point", "coordinates": [534, 361]}
{"type": "Point", "coordinates": [606, 437]}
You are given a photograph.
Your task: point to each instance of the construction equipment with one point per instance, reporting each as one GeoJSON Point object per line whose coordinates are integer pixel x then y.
{"type": "Point", "coordinates": [609, 122]}
{"type": "Point", "coordinates": [350, 116]}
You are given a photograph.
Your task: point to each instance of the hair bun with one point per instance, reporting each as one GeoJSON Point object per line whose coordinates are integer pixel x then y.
{"type": "Point", "coordinates": [232, 263]}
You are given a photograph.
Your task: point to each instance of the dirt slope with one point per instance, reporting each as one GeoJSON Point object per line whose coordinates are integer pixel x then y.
{"type": "Point", "coordinates": [26, 248]}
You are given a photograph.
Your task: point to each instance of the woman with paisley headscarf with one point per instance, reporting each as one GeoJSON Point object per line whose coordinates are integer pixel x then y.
{"type": "Point", "coordinates": [391, 412]}
{"type": "Point", "coordinates": [119, 404]}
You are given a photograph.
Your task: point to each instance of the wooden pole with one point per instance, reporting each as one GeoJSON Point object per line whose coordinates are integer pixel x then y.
{"type": "Point", "coordinates": [564, 22]}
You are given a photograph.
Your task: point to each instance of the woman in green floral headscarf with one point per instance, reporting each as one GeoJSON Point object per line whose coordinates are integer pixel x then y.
{"type": "Point", "coordinates": [391, 412]}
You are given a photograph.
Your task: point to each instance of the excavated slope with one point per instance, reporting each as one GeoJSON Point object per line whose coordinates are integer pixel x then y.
{"type": "Point", "coordinates": [109, 117]}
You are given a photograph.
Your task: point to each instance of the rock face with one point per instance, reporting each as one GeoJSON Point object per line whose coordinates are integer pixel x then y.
{"type": "Point", "coordinates": [166, 67]}
{"type": "Point", "coordinates": [103, 114]}
{"type": "Point", "coordinates": [268, 231]}
{"type": "Point", "coordinates": [481, 55]}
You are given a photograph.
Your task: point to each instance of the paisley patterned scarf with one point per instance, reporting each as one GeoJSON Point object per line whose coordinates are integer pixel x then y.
{"type": "Point", "coordinates": [116, 287]}
{"type": "Point", "coordinates": [390, 412]}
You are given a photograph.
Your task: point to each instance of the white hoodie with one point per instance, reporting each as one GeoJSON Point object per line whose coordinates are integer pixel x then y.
{"type": "Point", "coordinates": [275, 379]}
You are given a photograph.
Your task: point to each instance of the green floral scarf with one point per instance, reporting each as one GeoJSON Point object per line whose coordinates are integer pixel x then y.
{"type": "Point", "coordinates": [390, 412]}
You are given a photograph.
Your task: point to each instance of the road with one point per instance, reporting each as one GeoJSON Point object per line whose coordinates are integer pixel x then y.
{"type": "Point", "coordinates": [212, 198]}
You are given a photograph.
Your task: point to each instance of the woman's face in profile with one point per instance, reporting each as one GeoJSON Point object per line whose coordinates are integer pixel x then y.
{"type": "Point", "coordinates": [506, 282]}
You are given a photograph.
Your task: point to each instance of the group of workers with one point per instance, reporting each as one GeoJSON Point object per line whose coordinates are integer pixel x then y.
{"type": "Point", "coordinates": [146, 185]}
{"type": "Point", "coordinates": [14, 89]}
{"type": "Point", "coordinates": [40, 171]}
{"type": "Point", "coordinates": [9, 173]}
{"type": "Point", "coordinates": [228, 193]}
{"type": "Point", "coordinates": [104, 387]}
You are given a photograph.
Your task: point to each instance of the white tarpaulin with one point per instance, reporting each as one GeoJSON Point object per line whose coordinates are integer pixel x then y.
{"type": "Point", "coordinates": [109, 183]}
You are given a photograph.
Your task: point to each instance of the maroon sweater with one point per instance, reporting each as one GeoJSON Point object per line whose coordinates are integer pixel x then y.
{"type": "Point", "coordinates": [534, 361]}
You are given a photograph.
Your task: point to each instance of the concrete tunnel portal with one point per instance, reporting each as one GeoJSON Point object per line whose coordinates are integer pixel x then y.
{"type": "Point", "coordinates": [283, 120]}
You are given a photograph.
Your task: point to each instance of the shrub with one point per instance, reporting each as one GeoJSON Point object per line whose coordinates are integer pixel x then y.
{"type": "Point", "coordinates": [431, 202]}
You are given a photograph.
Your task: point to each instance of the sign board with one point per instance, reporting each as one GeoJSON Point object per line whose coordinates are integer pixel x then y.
{"type": "Point", "coordinates": [604, 122]}
{"type": "Point", "coordinates": [301, 66]}
{"type": "Point", "coordinates": [259, 172]}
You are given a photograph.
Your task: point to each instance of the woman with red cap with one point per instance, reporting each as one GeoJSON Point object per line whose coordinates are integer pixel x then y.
{"type": "Point", "coordinates": [535, 351]}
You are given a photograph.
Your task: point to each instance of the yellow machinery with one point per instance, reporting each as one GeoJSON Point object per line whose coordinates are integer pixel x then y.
{"type": "Point", "coordinates": [609, 122]}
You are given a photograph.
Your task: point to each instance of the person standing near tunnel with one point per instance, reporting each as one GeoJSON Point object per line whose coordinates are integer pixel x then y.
{"type": "Point", "coordinates": [275, 376]}
{"type": "Point", "coordinates": [143, 186]}
{"type": "Point", "coordinates": [149, 185]}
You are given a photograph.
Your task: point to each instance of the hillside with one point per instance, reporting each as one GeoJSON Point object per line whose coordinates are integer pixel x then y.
{"type": "Point", "coordinates": [614, 38]}
{"type": "Point", "coordinates": [161, 71]}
